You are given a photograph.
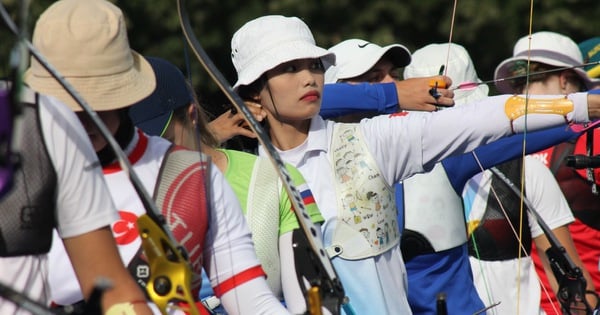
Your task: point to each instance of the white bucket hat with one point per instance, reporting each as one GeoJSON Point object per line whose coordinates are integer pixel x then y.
{"type": "Point", "coordinates": [354, 57]}
{"type": "Point", "coordinates": [427, 61]}
{"type": "Point", "coordinates": [549, 48]}
{"type": "Point", "coordinates": [86, 41]}
{"type": "Point", "coordinates": [268, 41]}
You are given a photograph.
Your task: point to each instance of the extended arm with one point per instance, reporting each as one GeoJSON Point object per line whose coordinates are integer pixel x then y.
{"type": "Point", "coordinates": [418, 144]}
{"type": "Point", "coordinates": [461, 168]}
{"type": "Point", "coordinates": [340, 99]}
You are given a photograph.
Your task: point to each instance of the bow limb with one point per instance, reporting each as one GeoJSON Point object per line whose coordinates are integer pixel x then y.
{"type": "Point", "coordinates": [324, 277]}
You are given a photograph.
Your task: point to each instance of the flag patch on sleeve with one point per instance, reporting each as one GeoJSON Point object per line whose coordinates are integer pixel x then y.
{"type": "Point", "coordinates": [306, 194]}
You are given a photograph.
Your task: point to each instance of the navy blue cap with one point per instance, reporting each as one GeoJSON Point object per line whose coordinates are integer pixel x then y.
{"type": "Point", "coordinates": [153, 113]}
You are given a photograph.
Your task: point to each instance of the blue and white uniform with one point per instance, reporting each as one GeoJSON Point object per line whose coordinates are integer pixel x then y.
{"type": "Point", "coordinates": [402, 145]}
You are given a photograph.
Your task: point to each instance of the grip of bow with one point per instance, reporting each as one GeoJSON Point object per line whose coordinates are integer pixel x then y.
{"type": "Point", "coordinates": [170, 273]}
{"type": "Point", "coordinates": [571, 283]}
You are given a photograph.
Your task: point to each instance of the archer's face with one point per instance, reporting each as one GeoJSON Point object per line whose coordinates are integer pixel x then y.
{"type": "Point", "coordinates": [293, 90]}
{"type": "Point", "coordinates": [110, 118]}
{"type": "Point", "coordinates": [384, 71]}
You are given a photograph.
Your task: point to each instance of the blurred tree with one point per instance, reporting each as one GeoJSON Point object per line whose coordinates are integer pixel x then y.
{"type": "Point", "coordinates": [488, 29]}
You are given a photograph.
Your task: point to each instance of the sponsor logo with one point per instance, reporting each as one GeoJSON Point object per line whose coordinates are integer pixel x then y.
{"type": "Point", "coordinates": [399, 114]}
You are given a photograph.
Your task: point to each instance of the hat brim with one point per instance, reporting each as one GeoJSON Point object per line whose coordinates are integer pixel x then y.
{"type": "Point", "coordinates": [503, 71]}
{"type": "Point", "coordinates": [155, 126]}
{"type": "Point", "coordinates": [101, 93]}
{"type": "Point", "coordinates": [399, 56]}
{"type": "Point", "coordinates": [279, 54]}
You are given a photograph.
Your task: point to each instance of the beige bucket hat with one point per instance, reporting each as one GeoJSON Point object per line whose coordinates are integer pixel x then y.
{"type": "Point", "coordinates": [86, 41]}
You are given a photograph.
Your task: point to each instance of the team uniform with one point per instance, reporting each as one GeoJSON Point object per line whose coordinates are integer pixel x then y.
{"type": "Point", "coordinates": [433, 240]}
{"type": "Point", "coordinates": [239, 178]}
{"type": "Point", "coordinates": [402, 145]}
{"type": "Point", "coordinates": [268, 209]}
{"type": "Point", "coordinates": [498, 270]}
{"type": "Point", "coordinates": [227, 253]}
{"type": "Point", "coordinates": [78, 206]}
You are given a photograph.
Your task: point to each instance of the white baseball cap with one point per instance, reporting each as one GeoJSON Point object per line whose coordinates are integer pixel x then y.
{"type": "Point", "coordinates": [427, 61]}
{"type": "Point", "coordinates": [549, 48]}
{"type": "Point", "coordinates": [268, 41]}
{"type": "Point", "coordinates": [354, 57]}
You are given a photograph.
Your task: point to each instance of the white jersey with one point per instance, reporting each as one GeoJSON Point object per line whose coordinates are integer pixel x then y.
{"type": "Point", "coordinates": [227, 251]}
{"type": "Point", "coordinates": [81, 204]}
{"type": "Point", "coordinates": [404, 144]}
{"type": "Point", "coordinates": [499, 281]}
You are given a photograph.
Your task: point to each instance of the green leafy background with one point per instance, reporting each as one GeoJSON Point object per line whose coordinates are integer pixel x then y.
{"type": "Point", "coordinates": [487, 28]}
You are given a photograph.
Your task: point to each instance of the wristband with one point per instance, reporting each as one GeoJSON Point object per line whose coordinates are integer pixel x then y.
{"type": "Point", "coordinates": [125, 308]}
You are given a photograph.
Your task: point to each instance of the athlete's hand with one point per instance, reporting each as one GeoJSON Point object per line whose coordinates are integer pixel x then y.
{"type": "Point", "coordinates": [232, 123]}
{"type": "Point", "coordinates": [418, 94]}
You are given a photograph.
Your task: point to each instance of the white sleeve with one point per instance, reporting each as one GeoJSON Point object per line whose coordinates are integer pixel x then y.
{"type": "Point", "coordinates": [412, 142]}
{"type": "Point", "coordinates": [544, 193]}
{"type": "Point", "coordinates": [251, 298]}
{"type": "Point", "coordinates": [229, 258]}
{"type": "Point", "coordinates": [83, 201]}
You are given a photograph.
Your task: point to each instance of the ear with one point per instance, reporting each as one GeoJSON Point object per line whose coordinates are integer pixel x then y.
{"type": "Point", "coordinates": [563, 80]}
{"type": "Point", "coordinates": [192, 113]}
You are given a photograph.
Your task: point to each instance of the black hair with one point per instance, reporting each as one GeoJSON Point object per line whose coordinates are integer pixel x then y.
{"type": "Point", "coordinates": [250, 92]}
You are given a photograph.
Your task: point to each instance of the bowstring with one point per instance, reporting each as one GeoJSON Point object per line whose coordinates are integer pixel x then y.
{"type": "Point", "coordinates": [475, 246]}
{"type": "Point", "coordinates": [452, 18]}
{"type": "Point", "coordinates": [518, 234]}
{"type": "Point", "coordinates": [445, 72]}
{"type": "Point", "coordinates": [206, 166]}
{"type": "Point", "coordinates": [523, 153]}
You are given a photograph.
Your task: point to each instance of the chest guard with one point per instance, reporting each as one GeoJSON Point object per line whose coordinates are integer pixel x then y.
{"type": "Point", "coordinates": [262, 215]}
{"type": "Point", "coordinates": [494, 237]}
{"type": "Point", "coordinates": [434, 216]}
{"type": "Point", "coordinates": [27, 210]}
{"type": "Point", "coordinates": [368, 223]}
{"type": "Point", "coordinates": [181, 195]}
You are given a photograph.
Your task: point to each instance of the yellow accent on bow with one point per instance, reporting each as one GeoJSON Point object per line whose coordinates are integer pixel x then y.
{"type": "Point", "coordinates": [171, 276]}
{"type": "Point", "coordinates": [518, 106]}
